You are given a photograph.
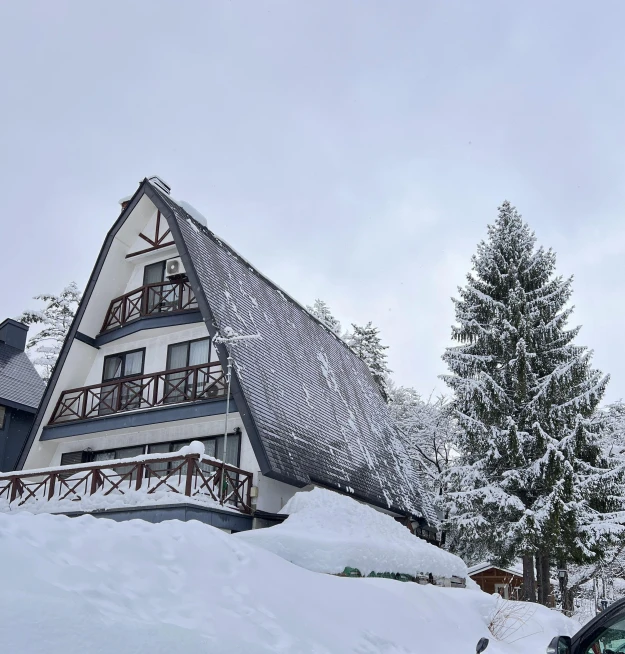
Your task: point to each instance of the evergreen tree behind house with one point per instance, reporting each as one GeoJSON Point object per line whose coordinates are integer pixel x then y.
{"type": "Point", "coordinates": [322, 312]}
{"type": "Point", "coordinates": [530, 480]}
{"type": "Point", "coordinates": [55, 318]}
{"type": "Point", "coordinates": [366, 343]}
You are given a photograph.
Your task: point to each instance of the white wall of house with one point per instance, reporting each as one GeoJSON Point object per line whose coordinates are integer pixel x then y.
{"type": "Point", "coordinates": [272, 494]}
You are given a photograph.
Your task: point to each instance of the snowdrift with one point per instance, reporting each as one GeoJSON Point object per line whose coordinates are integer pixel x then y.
{"type": "Point", "coordinates": [78, 585]}
{"type": "Point", "coordinates": [327, 532]}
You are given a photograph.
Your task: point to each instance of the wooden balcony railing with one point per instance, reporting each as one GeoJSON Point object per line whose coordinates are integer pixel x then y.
{"type": "Point", "coordinates": [203, 382]}
{"type": "Point", "coordinates": [149, 300]}
{"type": "Point", "coordinates": [156, 476]}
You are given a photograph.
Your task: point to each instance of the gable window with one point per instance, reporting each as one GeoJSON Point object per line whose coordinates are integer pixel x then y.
{"type": "Point", "coordinates": [163, 294]}
{"type": "Point", "coordinates": [124, 394]}
{"type": "Point", "coordinates": [3, 413]}
{"type": "Point", "coordinates": [187, 384]}
{"type": "Point", "coordinates": [154, 273]}
{"type": "Point", "coordinates": [155, 299]}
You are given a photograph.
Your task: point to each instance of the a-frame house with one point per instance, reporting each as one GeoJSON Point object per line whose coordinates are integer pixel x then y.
{"type": "Point", "coordinates": [143, 371]}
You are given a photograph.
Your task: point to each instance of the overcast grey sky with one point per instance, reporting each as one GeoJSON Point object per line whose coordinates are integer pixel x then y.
{"type": "Point", "coordinates": [351, 150]}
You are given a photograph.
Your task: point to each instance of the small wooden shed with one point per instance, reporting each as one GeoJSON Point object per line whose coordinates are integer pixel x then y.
{"type": "Point", "coordinates": [494, 579]}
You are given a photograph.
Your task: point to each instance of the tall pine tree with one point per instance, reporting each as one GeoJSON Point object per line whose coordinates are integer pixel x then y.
{"type": "Point", "coordinates": [530, 479]}
{"type": "Point", "coordinates": [365, 342]}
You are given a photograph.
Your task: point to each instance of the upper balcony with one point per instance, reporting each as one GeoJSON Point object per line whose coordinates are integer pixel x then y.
{"type": "Point", "coordinates": [150, 300]}
{"type": "Point", "coordinates": [190, 384]}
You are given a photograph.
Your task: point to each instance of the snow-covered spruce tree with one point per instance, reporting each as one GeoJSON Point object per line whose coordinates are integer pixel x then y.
{"type": "Point", "coordinates": [55, 318]}
{"type": "Point", "coordinates": [322, 311]}
{"type": "Point", "coordinates": [365, 342]}
{"type": "Point", "coordinates": [530, 479]}
{"type": "Point", "coordinates": [430, 432]}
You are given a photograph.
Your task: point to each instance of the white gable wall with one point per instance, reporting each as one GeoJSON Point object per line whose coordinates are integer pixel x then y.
{"type": "Point", "coordinates": [84, 364]}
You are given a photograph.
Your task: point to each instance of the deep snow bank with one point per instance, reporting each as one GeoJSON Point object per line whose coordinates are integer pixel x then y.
{"type": "Point", "coordinates": [89, 585]}
{"type": "Point", "coordinates": [326, 532]}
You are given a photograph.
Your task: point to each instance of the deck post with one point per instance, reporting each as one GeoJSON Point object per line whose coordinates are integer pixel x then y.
{"type": "Point", "coordinates": [140, 468]}
{"type": "Point", "coordinates": [15, 488]}
{"type": "Point", "coordinates": [95, 480]}
{"type": "Point", "coordinates": [51, 486]}
{"type": "Point", "coordinates": [191, 463]}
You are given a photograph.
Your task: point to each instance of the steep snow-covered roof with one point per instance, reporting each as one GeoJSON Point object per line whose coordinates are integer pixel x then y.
{"type": "Point", "coordinates": [314, 404]}
{"type": "Point", "coordinates": [19, 381]}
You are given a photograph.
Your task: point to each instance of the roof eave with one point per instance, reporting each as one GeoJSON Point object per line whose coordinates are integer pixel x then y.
{"type": "Point", "coordinates": [95, 273]}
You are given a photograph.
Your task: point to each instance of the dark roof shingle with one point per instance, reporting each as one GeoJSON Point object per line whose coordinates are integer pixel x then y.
{"type": "Point", "coordinates": [317, 409]}
{"type": "Point", "coordinates": [19, 381]}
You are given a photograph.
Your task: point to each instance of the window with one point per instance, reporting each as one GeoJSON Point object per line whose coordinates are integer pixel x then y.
{"type": "Point", "coordinates": [125, 364]}
{"type": "Point", "coordinates": [127, 395]}
{"type": "Point", "coordinates": [609, 636]}
{"type": "Point", "coordinates": [162, 297]}
{"type": "Point", "coordinates": [213, 446]}
{"type": "Point", "coordinates": [154, 273]}
{"type": "Point", "coordinates": [3, 415]}
{"type": "Point", "coordinates": [120, 453]}
{"type": "Point", "coordinates": [186, 384]}
{"type": "Point", "coordinates": [71, 458]}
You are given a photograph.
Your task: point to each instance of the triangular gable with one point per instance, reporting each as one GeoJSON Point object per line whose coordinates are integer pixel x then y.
{"type": "Point", "coordinates": [309, 405]}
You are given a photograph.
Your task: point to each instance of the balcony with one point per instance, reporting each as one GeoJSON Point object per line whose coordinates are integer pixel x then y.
{"type": "Point", "coordinates": [151, 479]}
{"type": "Point", "coordinates": [149, 300]}
{"type": "Point", "coordinates": [191, 384]}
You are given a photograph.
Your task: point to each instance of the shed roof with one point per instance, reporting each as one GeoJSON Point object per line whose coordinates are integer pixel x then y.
{"type": "Point", "coordinates": [485, 565]}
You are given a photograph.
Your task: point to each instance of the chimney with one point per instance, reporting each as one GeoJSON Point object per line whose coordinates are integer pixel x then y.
{"type": "Point", "coordinates": [13, 333]}
{"type": "Point", "coordinates": [125, 201]}
{"type": "Point", "coordinates": [160, 184]}
{"type": "Point", "coordinates": [155, 180]}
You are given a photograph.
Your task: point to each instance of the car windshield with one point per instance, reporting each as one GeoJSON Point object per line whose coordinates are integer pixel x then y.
{"type": "Point", "coordinates": [608, 638]}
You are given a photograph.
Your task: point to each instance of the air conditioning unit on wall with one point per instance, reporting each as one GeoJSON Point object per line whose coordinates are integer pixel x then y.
{"type": "Point", "coordinates": [174, 268]}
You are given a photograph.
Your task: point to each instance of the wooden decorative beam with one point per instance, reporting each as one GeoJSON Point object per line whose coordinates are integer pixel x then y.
{"type": "Point", "coordinates": [158, 241]}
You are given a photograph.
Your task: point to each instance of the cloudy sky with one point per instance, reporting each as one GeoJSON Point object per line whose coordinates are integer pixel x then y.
{"type": "Point", "coordinates": [352, 150]}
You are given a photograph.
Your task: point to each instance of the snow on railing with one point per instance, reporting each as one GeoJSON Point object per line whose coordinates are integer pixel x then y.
{"type": "Point", "coordinates": [148, 479]}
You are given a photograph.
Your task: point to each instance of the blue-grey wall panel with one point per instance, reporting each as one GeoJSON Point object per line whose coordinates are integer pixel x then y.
{"type": "Point", "coordinates": [17, 425]}
{"type": "Point", "coordinates": [183, 512]}
{"type": "Point", "coordinates": [137, 419]}
{"type": "Point", "coordinates": [148, 322]}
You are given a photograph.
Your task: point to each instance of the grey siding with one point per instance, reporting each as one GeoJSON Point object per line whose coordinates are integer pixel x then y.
{"type": "Point", "coordinates": [12, 438]}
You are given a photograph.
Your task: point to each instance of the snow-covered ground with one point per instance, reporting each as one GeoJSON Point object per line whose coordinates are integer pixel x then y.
{"type": "Point", "coordinates": [327, 532]}
{"type": "Point", "coordinates": [78, 585]}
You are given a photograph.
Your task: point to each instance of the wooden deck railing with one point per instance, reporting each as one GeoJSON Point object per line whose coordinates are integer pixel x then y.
{"type": "Point", "coordinates": [149, 300]}
{"type": "Point", "coordinates": [190, 384]}
{"type": "Point", "coordinates": [192, 475]}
